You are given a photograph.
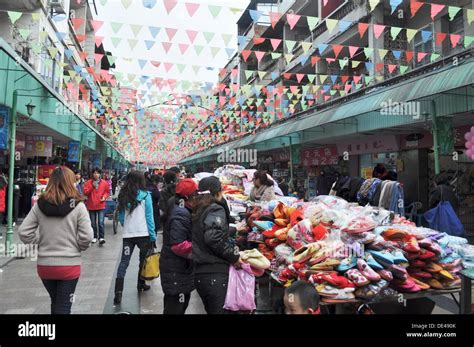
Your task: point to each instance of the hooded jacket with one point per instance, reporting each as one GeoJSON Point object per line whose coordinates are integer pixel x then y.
{"type": "Point", "coordinates": [94, 195]}
{"type": "Point", "coordinates": [213, 249]}
{"type": "Point", "coordinates": [140, 222]}
{"type": "Point", "coordinates": [61, 232]}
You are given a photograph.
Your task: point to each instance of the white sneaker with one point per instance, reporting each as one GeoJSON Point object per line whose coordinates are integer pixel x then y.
{"type": "Point", "coordinates": [101, 241]}
{"type": "Point", "coordinates": [94, 240]}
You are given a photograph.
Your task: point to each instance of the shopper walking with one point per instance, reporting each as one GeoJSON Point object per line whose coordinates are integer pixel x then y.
{"type": "Point", "coordinates": [213, 249]}
{"type": "Point", "coordinates": [79, 182]}
{"type": "Point", "coordinates": [136, 216]}
{"type": "Point", "coordinates": [169, 189]}
{"type": "Point", "coordinates": [3, 197]}
{"type": "Point", "coordinates": [97, 192]}
{"type": "Point", "coordinates": [59, 225]}
{"type": "Point", "coordinates": [176, 268]}
{"type": "Point", "coordinates": [152, 187]}
{"type": "Point", "coordinates": [263, 189]}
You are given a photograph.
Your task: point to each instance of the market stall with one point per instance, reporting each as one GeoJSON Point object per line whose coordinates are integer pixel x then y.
{"type": "Point", "coordinates": [352, 252]}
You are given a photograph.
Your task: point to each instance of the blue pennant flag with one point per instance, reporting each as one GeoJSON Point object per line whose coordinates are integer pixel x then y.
{"type": "Point", "coordinates": [322, 47]}
{"type": "Point", "coordinates": [255, 15]}
{"type": "Point", "coordinates": [344, 25]}
{"type": "Point", "coordinates": [394, 4]}
{"type": "Point", "coordinates": [397, 54]}
{"type": "Point", "coordinates": [149, 44]}
{"type": "Point", "coordinates": [426, 35]}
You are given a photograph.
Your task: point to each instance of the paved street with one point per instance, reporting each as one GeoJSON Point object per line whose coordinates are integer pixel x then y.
{"type": "Point", "coordinates": [23, 293]}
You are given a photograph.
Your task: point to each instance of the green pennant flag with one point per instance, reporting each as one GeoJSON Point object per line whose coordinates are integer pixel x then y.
{"type": "Point", "coordinates": [290, 45]}
{"type": "Point", "coordinates": [262, 74]}
{"type": "Point", "coordinates": [14, 16]}
{"type": "Point", "coordinates": [382, 53]}
{"type": "Point", "coordinates": [116, 27]}
{"type": "Point", "coordinates": [36, 48]}
{"type": "Point", "coordinates": [181, 67]}
{"type": "Point", "coordinates": [208, 36]}
{"type": "Point", "coordinates": [215, 51]}
{"type": "Point", "coordinates": [331, 24]}
{"type": "Point", "coordinates": [403, 69]}
{"type": "Point", "coordinates": [355, 64]}
{"type": "Point", "coordinates": [289, 58]}
{"type": "Point", "coordinates": [126, 3]}
{"type": "Point", "coordinates": [311, 78]}
{"type": "Point", "coordinates": [453, 11]}
{"type": "Point", "coordinates": [36, 16]}
{"type": "Point", "coordinates": [394, 31]}
{"type": "Point", "coordinates": [435, 56]}
{"type": "Point", "coordinates": [66, 78]}
{"type": "Point", "coordinates": [368, 52]}
{"type": "Point", "coordinates": [214, 10]}
{"type": "Point", "coordinates": [115, 41]}
{"type": "Point", "coordinates": [53, 51]}
{"type": "Point", "coordinates": [78, 79]}
{"type": "Point", "coordinates": [248, 74]}
{"type": "Point", "coordinates": [226, 38]}
{"type": "Point", "coordinates": [111, 59]}
{"type": "Point", "coordinates": [196, 69]}
{"type": "Point", "coordinates": [343, 63]}
{"type": "Point", "coordinates": [198, 49]}
{"type": "Point", "coordinates": [359, 85]}
{"type": "Point", "coordinates": [411, 34]}
{"type": "Point", "coordinates": [312, 22]}
{"type": "Point", "coordinates": [24, 33]}
{"type": "Point", "coordinates": [369, 79]}
{"type": "Point", "coordinates": [333, 92]}
{"type": "Point", "coordinates": [276, 56]}
{"type": "Point", "coordinates": [323, 78]}
{"type": "Point", "coordinates": [468, 41]}
{"type": "Point", "coordinates": [306, 46]}
{"type": "Point", "coordinates": [135, 29]}
{"type": "Point", "coordinates": [43, 35]}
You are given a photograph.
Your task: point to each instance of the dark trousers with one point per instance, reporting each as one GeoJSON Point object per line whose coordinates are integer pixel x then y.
{"type": "Point", "coordinates": [144, 244]}
{"type": "Point", "coordinates": [61, 294]}
{"type": "Point", "coordinates": [176, 304]}
{"type": "Point", "coordinates": [98, 217]}
{"type": "Point", "coordinates": [212, 289]}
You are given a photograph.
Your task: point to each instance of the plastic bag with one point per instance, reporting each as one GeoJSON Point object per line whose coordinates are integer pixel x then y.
{"type": "Point", "coordinates": [240, 290]}
{"type": "Point", "coordinates": [444, 219]}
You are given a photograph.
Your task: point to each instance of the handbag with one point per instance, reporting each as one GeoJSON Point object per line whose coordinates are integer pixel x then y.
{"type": "Point", "coordinates": [151, 265]}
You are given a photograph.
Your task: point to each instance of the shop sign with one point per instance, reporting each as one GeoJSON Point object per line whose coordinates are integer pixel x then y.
{"type": "Point", "coordinates": [370, 144]}
{"type": "Point", "coordinates": [277, 173]}
{"type": "Point", "coordinates": [281, 156]}
{"type": "Point", "coordinates": [73, 151]}
{"type": "Point", "coordinates": [320, 156]}
{"type": "Point", "coordinates": [39, 146]}
{"type": "Point", "coordinates": [45, 171]}
{"type": "Point", "coordinates": [3, 128]}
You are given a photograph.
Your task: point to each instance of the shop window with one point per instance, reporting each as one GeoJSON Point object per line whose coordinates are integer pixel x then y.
{"type": "Point", "coordinates": [423, 46]}
{"type": "Point", "coordinates": [331, 7]}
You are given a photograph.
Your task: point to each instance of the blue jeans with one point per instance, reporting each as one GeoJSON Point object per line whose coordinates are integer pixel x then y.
{"type": "Point", "coordinates": [144, 244]}
{"type": "Point", "coordinates": [61, 294]}
{"type": "Point", "coordinates": [98, 217]}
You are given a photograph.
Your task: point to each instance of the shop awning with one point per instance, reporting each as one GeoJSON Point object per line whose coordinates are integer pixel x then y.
{"type": "Point", "coordinates": [439, 81]}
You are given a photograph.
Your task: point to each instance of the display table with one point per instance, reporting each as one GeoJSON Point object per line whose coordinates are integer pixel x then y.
{"type": "Point", "coordinates": [466, 289]}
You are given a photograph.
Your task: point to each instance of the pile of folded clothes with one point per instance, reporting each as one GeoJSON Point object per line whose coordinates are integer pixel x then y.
{"type": "Point", "coordinates": [354, 253]}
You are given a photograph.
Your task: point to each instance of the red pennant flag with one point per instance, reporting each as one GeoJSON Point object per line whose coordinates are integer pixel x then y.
{"type": "Point", "coordinates": [415, 6]}
{"type": "Point", "coordinates": [275, 43]}
{"type": "Point", "coordinates": [292, 20]}
{"type": "Point", "coordinates": [274, 18]}
{"type": "Point", "coordinates": [435, 9]}
{"type": "Point", "coordinates": [191, 35]}
{"type": "Point", "coordinates": [409, 55]}
{"type": "Point", "coordinates": [83, 55]}
{"type": "Point", "coordinates": [294, 89]}
{"type": "Point", "coordinates": [421, 56]}
{"type": "Point", "coordinates": [391, 68]}
{"type": "Point", "coordinates": [81, 38]}
{"type": "Point", "coordinates": [357, 79]}
{"type": "Point", "coordinates": [363, 29]}
{"type": "Point", "coordinates": [166, 46]}
{"type": "Point", "coordinates": [98, 40]}
{"type": "Point", "coordinates": [171, 33]}
{"type": "Point", "coordinates": [168, 66]}
{"type": "Point", "coordinates": [314, 60]}
{"type": "Point", "coordinates": [299, 77]}
{"type": "Point", "coordinates": [344, 79]}
{"type": "Point", "coordinates": [352, 51]}
{"type": "Point", "coordinates": [455, 38]}
{"type": "Point", "coordinates": [337, 49]}
{"type": "Point", "coordinates": [155, 63]}
{"type": "Point", "coordinates": [379, 67]}
{"type": "Point", "coordinates": [96, 24]}
{"type": "Point", "coordinates": [378, 30]}
{"type": "Point", "coordinates": [98, 57]}
{"type": "Point", "coordinates": [192, 8]}
{"type": "Point", "coordinates": [259, 55]}
{"type": "Point", "coordinates": [246, 54]}
{"type": "Point", "coordinates": [169, 5]}
{"type": "Point", "coordinates": [440, 37]}
{"type": "Point", "coordinates": [258, 40]}
{"type": "Point", "coordinates": [287, 75]}
{"type": "Point", "coordinates": [183, 48]}
{"type": "Point", "coordinates": [77, 23]}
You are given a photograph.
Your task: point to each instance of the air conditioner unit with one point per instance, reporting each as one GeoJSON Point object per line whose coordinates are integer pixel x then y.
{"type": "Point", "coordinates": [57, 5]}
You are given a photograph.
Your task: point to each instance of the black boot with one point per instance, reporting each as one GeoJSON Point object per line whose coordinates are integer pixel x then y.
{"type": "Point", "coordinates": [142, 286]}
{"type": "Point", "coordinates": [118, 291]}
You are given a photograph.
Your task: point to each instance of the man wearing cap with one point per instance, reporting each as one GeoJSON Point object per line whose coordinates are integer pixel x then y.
{"type": "Point", "coordinates": [176, 266]}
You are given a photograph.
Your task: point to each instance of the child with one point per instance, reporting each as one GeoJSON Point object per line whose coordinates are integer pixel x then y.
{"type": "Point", "coordinates": [301, 298]}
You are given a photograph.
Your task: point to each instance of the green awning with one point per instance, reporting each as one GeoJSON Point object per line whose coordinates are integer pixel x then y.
{"type": "Point", "coordinates": [441, 80]}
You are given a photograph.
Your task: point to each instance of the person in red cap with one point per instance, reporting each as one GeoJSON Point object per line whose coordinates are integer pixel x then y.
{"type": "Point", "coordinates": [176, 267]}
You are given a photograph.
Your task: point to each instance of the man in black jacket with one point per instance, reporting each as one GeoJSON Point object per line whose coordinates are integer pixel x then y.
{"type": "Point", "coordinates": [175, 263]}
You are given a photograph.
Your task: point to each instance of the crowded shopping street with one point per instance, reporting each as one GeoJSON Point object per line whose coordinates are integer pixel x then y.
{"type": "Point", "coordinates": [241, 158]}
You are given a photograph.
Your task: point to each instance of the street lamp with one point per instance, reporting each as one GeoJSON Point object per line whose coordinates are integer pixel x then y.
{"type": "Point", "coordinates": [11, 169]}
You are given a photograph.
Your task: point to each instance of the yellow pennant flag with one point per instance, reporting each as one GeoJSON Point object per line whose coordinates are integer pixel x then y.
{"type": "Point", "coordinates": [411, 34]}
{"type": "Point", "coordinates": [383, 53]}
{"type": "Point", "coordinates": [331, 24]}
{"type": "Point", "coordinates": [373, 4]}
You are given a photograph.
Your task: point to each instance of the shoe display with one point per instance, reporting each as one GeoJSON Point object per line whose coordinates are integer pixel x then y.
{"type": "Point", "coordinates": [367, 271]}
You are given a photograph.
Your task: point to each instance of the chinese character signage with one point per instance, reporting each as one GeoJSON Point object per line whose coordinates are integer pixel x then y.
{"type": "Point", "coordinates": [39, 146]}
{"type": "Point", "coordinates": [73, 151]}
{"type": "Point", "coordinates": [320, 156]}
{"type": "Point", "coordinates": [369, 145]}
{"type": "Point", "coordinates": [3, 128]}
